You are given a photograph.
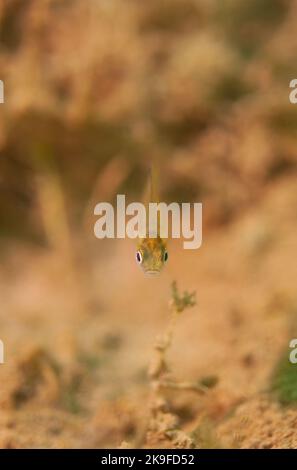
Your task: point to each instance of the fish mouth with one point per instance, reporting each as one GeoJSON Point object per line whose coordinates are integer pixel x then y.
{"type": "Point", "coordinates": [152, 272]}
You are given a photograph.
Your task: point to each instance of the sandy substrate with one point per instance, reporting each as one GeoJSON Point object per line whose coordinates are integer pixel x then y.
{"type": "Point", "coordinates": [77, 347]}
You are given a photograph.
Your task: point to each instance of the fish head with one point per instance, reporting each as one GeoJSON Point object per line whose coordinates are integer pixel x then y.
{"type": "Point", "coordinates": [151, 255]}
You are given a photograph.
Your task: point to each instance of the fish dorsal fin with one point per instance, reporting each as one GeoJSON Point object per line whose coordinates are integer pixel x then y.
{"type": "Point", "coordinates": [152, 194]}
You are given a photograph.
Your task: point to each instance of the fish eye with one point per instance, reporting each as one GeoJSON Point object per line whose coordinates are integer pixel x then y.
{"type": "Point", "coordinates": [165, 256]}
{"type": "Point", "coordinates": [138, 257]}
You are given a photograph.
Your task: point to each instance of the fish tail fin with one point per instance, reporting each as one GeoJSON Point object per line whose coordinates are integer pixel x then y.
{"type": "Point", "coordinates": [154, 180]}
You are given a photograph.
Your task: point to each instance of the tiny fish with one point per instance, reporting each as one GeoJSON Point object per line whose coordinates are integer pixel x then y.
{"type": "Point", "coordinates": [151, 252]}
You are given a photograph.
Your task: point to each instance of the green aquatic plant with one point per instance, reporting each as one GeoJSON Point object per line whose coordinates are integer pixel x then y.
{"type": "Point", "coordinates": [284, 381]}
{"type": "Point", "coordinates": [163, 421]}
{"type": "Point", "coordinates": [179, 302]}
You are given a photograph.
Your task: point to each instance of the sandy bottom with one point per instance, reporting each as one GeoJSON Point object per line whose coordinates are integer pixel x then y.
{"type": "Point", "coordinates": [77, 347]}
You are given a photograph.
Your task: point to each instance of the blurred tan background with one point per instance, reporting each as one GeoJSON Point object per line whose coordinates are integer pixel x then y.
{"type": "Point", "coordinates": [93, 89]}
